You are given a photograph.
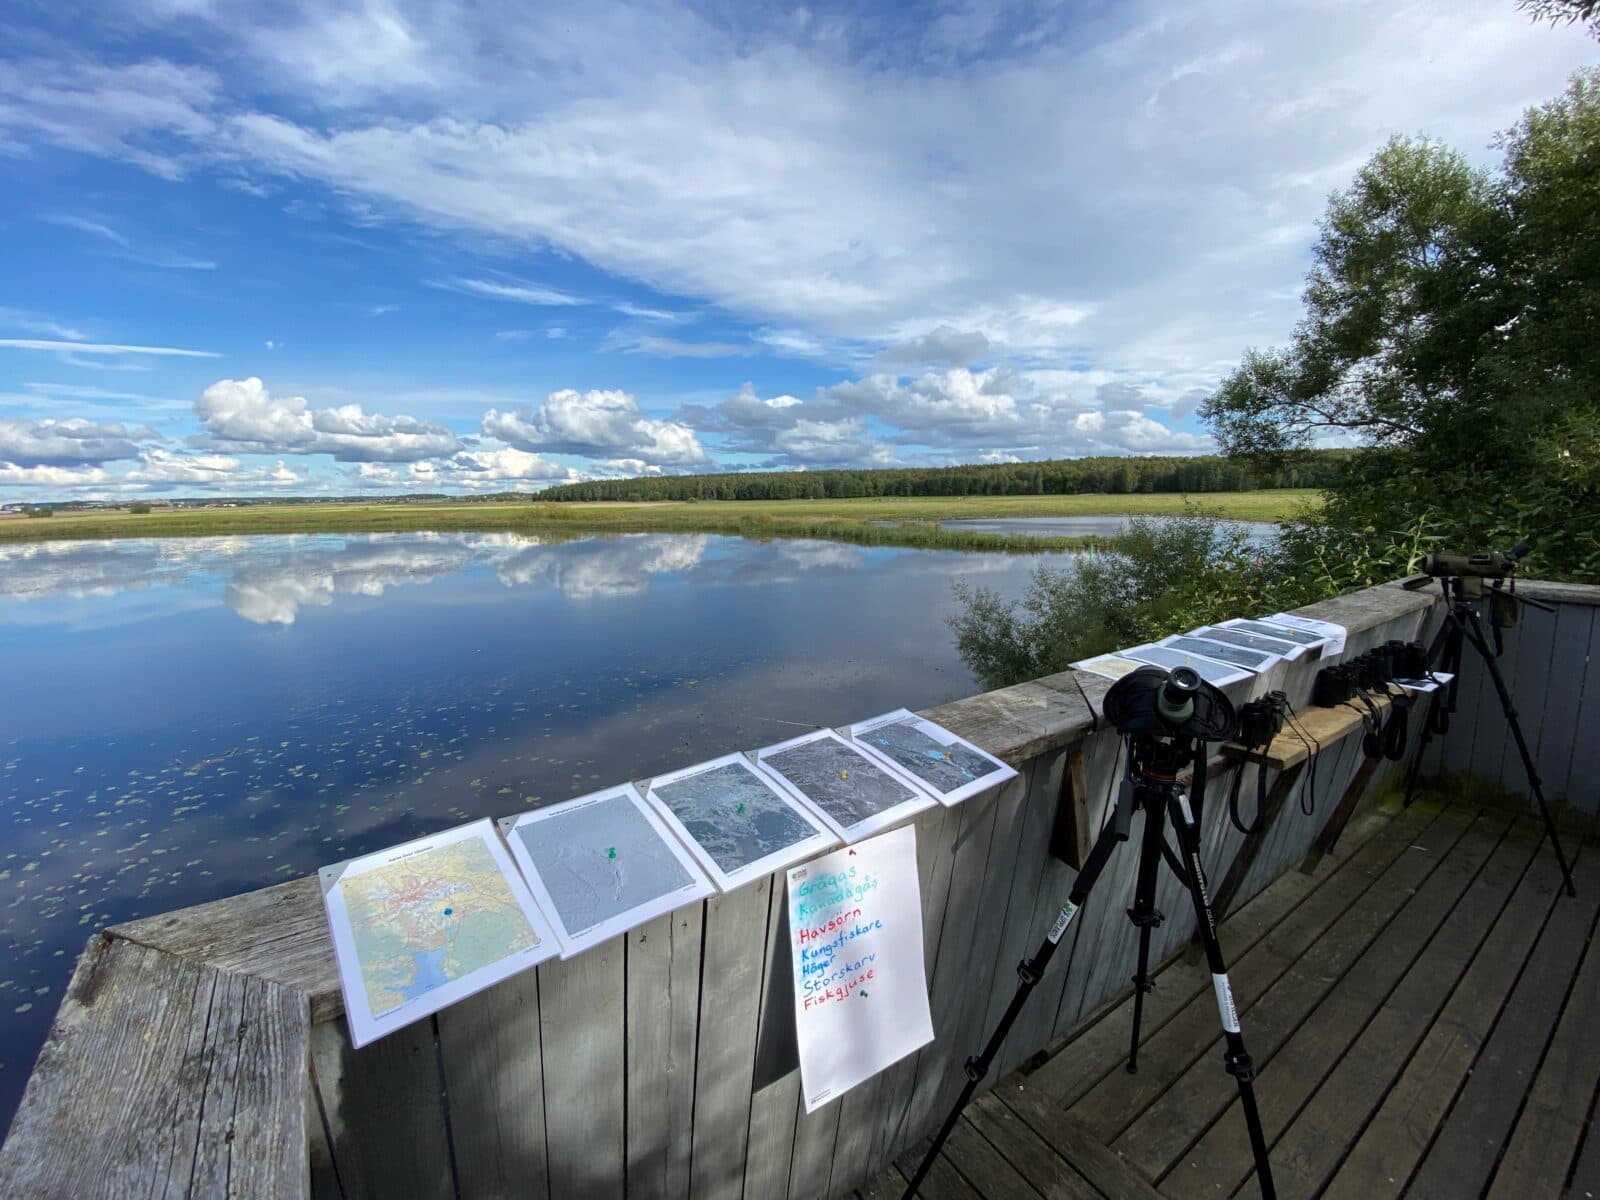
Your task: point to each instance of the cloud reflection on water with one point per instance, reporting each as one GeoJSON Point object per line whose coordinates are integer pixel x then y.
{"type": "Point", "coordinates": [270, 580]}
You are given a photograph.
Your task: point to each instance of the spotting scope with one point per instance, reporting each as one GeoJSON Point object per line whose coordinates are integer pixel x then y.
{"type": "Point", "coordinates": [1485, 564]}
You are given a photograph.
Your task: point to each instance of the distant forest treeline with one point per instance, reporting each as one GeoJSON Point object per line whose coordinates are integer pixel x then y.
{"type": "Point", "coordinates": [1064, 476]}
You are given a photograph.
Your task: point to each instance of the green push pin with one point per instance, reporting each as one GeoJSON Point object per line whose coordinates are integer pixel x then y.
{"type": "Point", "coordinates": [863, 993]}
{"type": "Point", "coordinates": [741, 810]}
{"type": "Point", "coordinates": [611, 852]}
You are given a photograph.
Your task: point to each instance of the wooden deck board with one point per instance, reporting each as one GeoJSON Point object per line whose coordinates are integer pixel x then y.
{"type": "Point", "coordinates": [1552, 1121]}
{"type": "Point", "coordinates": [1096, 1162]}
{"type": "Point", "coordinates": [1436, 1034]}
{"type": "Point", "coordinates": [1374, 878]}
{"type": "Point", "coordinates": [1050, 1174]}
{"type": "Point", "coordinates": [226, 1116]}
{"type": "Point", "coordinates": [1102, 1048]}
{"type": "Point", "coordinates": [1300, 1063]}
{"type": "Point", "coordinates": [1191, 1104]}
{"type": "Point", "coordinates": [1398, 1135]}
{"type": "Point", "coordinates": [990, 1172]}
{"type": "Point", "coordinates": [1464, 1153]}
{"type": "Point", "coordinates": [1313, 1145]}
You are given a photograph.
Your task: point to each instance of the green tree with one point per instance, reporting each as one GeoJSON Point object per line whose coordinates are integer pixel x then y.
{"type": "Point", "coordinates": [1564, 12]}
{"type": "Point", "coordinates": [1451, 322]}
{"type": "Point", "coordinates": [1160, 575]}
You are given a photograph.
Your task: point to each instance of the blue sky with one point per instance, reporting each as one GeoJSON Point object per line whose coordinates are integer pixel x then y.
{"type": "Point", "coordinates": [375, 246]}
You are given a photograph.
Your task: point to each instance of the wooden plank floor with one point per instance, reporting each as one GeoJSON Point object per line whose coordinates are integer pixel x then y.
{"type": "Point", "coordinates": [1424, 1013]}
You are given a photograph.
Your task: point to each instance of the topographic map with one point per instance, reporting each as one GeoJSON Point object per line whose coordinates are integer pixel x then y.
{"type": "Point", "coordinates": [432, 918]}
{"type": "Point", "coordinates": [601, 860]}
{"type": "Point", "coordinates": [946, 768]}
{"type": "Point", "coordinates": [736, 818]}
{"type": "Point", "coordinates": [840, 781]}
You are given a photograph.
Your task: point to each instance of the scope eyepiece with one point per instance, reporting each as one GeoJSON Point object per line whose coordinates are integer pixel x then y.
{"type": "Point", "coordinates": [1176, 702]}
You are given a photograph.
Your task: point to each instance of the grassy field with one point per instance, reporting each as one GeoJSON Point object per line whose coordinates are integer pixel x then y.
{"type": "Point", "coordinates": [906, 521]}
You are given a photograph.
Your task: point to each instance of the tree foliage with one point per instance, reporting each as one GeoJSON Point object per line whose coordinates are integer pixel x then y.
{"type": "Point", "coordinates": [1565, 12]}
{"type": "Point", "coordinates": [1452, 324]}
{"type": "Point", "coordinates": [1118, 476]}
{"type": "Point", "coordinates": [1162, 574]}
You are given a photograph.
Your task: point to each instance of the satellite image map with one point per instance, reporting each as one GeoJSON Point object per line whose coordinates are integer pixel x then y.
{"type": "Point", "coordinates": [840, 781]}
{"type": "Point", "coordinates": [945, 768]}
{"type": "Point", "coordinates": [600, 860]}
{"type": "Point", "coordinates": [734, 816]}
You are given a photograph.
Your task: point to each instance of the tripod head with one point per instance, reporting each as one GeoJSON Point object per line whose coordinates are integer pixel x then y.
{"type": "Point", "coordinates": [1165, 715]}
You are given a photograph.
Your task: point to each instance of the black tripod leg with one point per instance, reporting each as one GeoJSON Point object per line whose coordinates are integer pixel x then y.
{"type": "Point", "coordinates": [1237, 1060]}
{"type": "Point", "coordinates": [1029, 972]}
{"type": "Point", "coordinates": [1535, 785]}
{"type": "Point", "coordinates": [1144, 915]}
{"type": "Point", "coordinates": [1448, 642]}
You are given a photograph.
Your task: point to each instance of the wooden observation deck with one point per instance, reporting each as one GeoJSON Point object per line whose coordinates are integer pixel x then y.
{"type": "Point", "coordinates": [1424, 1011]}
{"type": "Point", "coordinates": [1423, 1007]}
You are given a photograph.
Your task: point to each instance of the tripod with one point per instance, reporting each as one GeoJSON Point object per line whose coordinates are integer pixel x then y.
{"type": "Point", "coordinates": [1151, 786]}
{"type": "Point", "coordinates": [1463, 626]}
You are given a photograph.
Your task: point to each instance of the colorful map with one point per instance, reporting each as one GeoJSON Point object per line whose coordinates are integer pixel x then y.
{"type": "Point", "coordinates": [432, 918]}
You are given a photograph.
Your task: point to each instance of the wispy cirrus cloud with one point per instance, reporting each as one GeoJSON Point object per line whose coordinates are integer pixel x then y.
{"type": "Point", "coordinates": [30, 322]}
{"type": "Point", "coordinates": [126, 248]}
{"type": "Point", "coordinates": [80, 348]}
{"type": "Point", "coordinates": [664, 347]}
{"type": "Point", "coordinates": [517, 291]}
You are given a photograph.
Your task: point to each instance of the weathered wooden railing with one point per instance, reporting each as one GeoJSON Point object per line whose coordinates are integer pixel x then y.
{"type": "Point", "coordinates": [1555, 686]}
{"type": "Point", "coordinates": [202, 1051]}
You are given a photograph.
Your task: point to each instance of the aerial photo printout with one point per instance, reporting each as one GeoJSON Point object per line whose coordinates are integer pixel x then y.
{"type": "Point", "coordinates": [949, 766]}
{"type": "Point", "coordinates": [1234, 636]}
{"type": "Point", "coordinates": [602, 864]}
{"type": "Point", "coordinates": [1251, 660]}
{"type": "Point", "coordinates": [736, 821]}
{"type": "Point", "coordinates": [419, 926]}
{"type": "Point", "coordinates": [852, 793]}
{"type": "Point", "coordinates": [1299, 637]}
{"type": "Point", "coordinates": [1219, 673]}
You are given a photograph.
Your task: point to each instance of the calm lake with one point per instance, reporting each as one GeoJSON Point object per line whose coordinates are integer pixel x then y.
{"type": "Point", "coordinates": [190, 718]}
{"type": "Point", "coordinates": [1093, 525]}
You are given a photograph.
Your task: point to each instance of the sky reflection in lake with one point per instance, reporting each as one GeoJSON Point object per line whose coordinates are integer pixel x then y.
{"type": "Point", "coordinates": [190, 718]}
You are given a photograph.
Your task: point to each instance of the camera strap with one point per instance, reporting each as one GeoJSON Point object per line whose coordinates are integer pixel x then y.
{"type": "Point", "coordinates": [1254, 827]}
{"type": "Point", "coordinates": [1397, 729]}
{"type": "Point", "coordinates": [1372, 739]}
{"type": "Point", "coordinates": [1308, 794]}
{"type": "Point", "coordinates": [1260, 721]}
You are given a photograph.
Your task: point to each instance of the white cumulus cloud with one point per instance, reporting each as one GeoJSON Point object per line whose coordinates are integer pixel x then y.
{"type": "Point", "coordinates": [242, 415]}
{"type": "Point", "coordinates": [51, 443]}
{"type": "Point", "coordinates": [596, 424]}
